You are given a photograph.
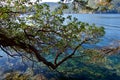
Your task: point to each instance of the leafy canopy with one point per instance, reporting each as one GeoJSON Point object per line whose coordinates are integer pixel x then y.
{"type": "Point", "coordinates": [34, 31]}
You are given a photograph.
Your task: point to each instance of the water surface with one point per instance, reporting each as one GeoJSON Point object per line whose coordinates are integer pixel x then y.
{"type": "Point", "coordinates": [111, 23]}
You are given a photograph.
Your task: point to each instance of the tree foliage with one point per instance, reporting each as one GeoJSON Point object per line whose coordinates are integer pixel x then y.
{"type": "Point", "coordinates": [32, 30]}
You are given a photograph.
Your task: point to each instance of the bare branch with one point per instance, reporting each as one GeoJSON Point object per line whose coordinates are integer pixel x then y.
{"type": "Point", "coordinates": [110, 51]}
{"type": "Point", "coordinates": [6, 52]}
{"type": "Point", "coordinates": [56, 57]}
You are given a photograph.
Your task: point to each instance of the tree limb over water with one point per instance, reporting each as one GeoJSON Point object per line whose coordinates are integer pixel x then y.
{"type": "Point", "coordinates": [44, 33]}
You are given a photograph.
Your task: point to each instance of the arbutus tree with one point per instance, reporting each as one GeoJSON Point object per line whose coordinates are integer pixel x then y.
{"type": "Point", "coordinates": [32, 30]}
